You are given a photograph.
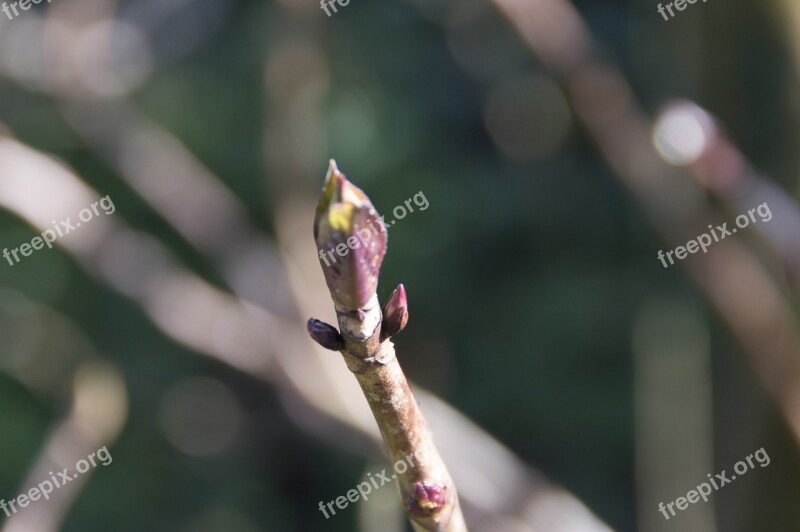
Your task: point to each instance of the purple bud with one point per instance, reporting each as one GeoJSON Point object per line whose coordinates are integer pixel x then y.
{"type": "Point", "coordinates": [427, 498]}
{"type": "Point", "coordinates": [325, 335]}
{"type": "Point", "coordinates": [351, 241]}
{"type": "Point", "coordinates": [395, 313]}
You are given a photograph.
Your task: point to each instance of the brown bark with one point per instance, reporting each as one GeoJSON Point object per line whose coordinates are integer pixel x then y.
{"type": "Point", "coordinates": [426, 488]}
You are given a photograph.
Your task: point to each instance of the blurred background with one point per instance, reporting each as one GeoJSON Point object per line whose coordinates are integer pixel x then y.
{"type": "Point", "coordinates": [571, 381]}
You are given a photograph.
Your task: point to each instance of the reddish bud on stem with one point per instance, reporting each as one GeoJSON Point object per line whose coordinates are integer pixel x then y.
{"type": "Point", "coordinates": [427, 498]}
{"type": "Point", "coordinates": [395, 313]}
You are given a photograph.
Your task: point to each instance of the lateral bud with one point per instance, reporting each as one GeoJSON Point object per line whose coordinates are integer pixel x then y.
{"type": "Point", "coordinates": [395, 313]}
{"type": "Point", "coordinates": [427, 498]}
{"type": "Point", "coordinates": [325, 335]}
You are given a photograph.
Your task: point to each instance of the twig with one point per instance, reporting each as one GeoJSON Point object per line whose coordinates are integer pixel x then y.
{"type": "Point", "coordinates": [345, 217]}
{"type": "Point", "coordinates": [498, 488]}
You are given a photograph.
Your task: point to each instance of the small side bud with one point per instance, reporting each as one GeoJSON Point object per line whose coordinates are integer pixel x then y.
{"type": "Point", "coordinates": [395, 313]}
{"type": "Point", "coordinates": [325, 335]}
{"type": "Point", "coordinates": [427, 498]}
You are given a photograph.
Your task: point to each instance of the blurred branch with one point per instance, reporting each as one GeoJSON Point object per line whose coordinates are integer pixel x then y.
{"type": "Point", "coordinates": [98, 414]}
{"type": "Point", "coordinates": [720, 167]}
{"type": "Point", "coordinates": [731, 277]}
{"type": "Point", "coordinates": [156, 164]}
{"type": "Point", "coordinates": [182, 305]}
{"type": "Point", "coordinates": [49, 354]}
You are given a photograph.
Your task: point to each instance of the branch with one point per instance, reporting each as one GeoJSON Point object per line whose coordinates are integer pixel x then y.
{"type": "Point", "coordinates": [347, 223]}
{"type": "Point", "coordinates": [497, 489]}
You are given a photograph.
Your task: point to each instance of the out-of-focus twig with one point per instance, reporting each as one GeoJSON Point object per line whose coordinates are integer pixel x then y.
{"type": "Point", "coordinates": [95, 420]}
{"type": "Point", "coordinates": [186, 308]}
{"type": "Point", "coordinates": [731, 277]}
{"type": "Point", "coordinates": [720, 167]}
